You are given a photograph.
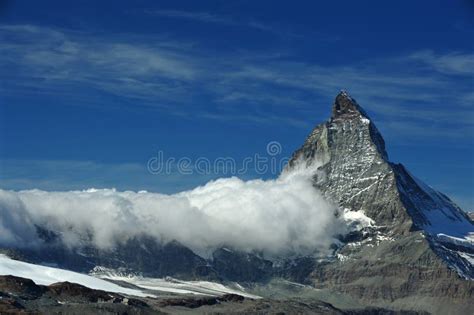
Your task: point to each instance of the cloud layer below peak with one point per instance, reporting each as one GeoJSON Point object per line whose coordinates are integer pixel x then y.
{"type": "Point", "coordinates": [278, 217]}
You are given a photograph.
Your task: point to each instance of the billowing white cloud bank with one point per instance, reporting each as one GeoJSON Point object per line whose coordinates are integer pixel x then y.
{"type": "Point", "coordinates": [282, 216]}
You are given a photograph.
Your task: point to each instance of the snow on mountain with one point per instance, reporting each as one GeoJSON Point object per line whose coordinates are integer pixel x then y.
{"type": "Point", "coordinates": [172, 285]}
{"type": "Point", "coordinates": [47, 275]}
{"type": "Point", "coordinates": [356, 220]}
{"type": "Point", "coordinates": [44, 275]}
{"type": "Point", "coordinates": [448, 228]}
{"type": "Point", "coordinates": [169, 284]}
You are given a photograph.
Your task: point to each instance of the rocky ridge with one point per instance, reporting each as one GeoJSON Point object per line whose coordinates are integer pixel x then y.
{"type": "Point", "coordinates": [420, 245]}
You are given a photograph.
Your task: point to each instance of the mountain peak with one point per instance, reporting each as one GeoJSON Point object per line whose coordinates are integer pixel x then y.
{"type": "Point", "coordinates": [346, 106]}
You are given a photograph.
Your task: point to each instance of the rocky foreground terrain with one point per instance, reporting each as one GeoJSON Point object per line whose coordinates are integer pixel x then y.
{"type": "Point", "coordinates": [23, 296]}
{"type": "Point", "coordinates": [413, 255]}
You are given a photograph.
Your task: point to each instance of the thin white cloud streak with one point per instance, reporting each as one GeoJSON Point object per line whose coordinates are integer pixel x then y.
{"type": "Point", "coordinates": [207, 17]}
{"type": "Point", "coordinates": [198, 16]}
{"type": "Point", "coordinates": [329, 79]}
{"type": "Point", "coordinates": [451, 63]}
{"type": "Point", "coordinates": [168, 76]}
{"type": "Point", "coordinates": [416, 132]}
{"type": "Point", "coordinates": [50, 57]}
{"type": "Point", "coordinates": [235, 21]}
{"type": "Point", "coordinates": [278, 217]}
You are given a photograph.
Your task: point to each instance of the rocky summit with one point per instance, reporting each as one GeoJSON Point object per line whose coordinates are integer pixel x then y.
{"type": "Point", "coordinates": [414, 254]}
{"type": "Point", "coordinates": [418, 253]}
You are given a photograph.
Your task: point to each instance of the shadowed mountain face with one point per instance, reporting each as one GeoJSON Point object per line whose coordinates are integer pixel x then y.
{"type": "Point", "coordinates": [416, 253]}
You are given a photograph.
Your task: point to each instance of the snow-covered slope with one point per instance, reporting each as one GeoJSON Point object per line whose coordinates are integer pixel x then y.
{"type": "Point", "coordinates": [47, 275]}
{"type": "Point", "coordinates": [44, 275]}
{"type": "Point", "coordinates": [169, 284]}
{"type": "Point", "coordinates": [448, 228]}
{"type": "Point", "coordinates": [172, 285]}
{"type": "Point", "coordinates": [439, 214]}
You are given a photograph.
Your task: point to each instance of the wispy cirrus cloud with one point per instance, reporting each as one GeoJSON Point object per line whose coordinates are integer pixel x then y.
{"type": "Point", "coordinates": [255, 87]}
{"type": "Point", "coordinates": [451, 63]}
{"type": "Point", "coordinates": [207, 17]}
{"type": "Point", "coordinates": [54, 55]}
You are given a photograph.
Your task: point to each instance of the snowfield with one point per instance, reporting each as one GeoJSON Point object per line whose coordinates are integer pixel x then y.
{"type": "Point", "coordinates": [47, 275]}
{"type": "Point", "coordinates": [180, 287]}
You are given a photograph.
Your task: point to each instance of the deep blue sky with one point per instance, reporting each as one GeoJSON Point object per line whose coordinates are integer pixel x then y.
{"type": "Point", "coordinates": [90, 90]}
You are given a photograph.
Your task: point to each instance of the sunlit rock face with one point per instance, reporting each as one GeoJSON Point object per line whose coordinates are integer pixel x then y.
{"type": "Point", "coordinates": [357, 175]}
{"type": "Point", "coordinates": [417, 245]}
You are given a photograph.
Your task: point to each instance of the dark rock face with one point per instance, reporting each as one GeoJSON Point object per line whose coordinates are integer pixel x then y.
{"type": "Point", "coordinates": [143, 255]}
{"type": "Point", "coordinates": [25, 288]}
{"type": "Point", "coordinates": [198, 302]}
{"type": "Point", "coordinates": [23, 296]}
{"type": "Point", "coordinates": [152, 259]}
{"type": "Point", "coordinates": [297, 270]}
{"type": "Point", "coordinates": [346, 107]}
{"type": "Point", "coordinates": [238, 266]}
